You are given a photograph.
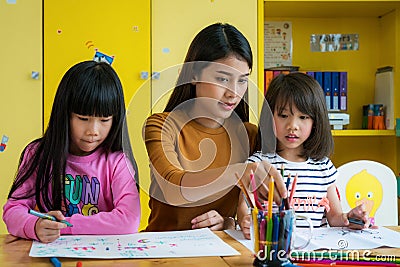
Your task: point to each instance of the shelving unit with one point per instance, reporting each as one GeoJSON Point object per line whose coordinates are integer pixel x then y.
{"type": "Point", "coordinates": [363, 132]}
{"type": "Point", "coordinates": [378, 26]}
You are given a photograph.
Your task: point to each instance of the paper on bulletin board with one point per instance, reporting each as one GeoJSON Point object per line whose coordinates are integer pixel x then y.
{"type": "Point", "coordinates": [191, 243]}
{"type": "Point", "coordinates": [334, 42]}
{"type": "Point", "coordinates": [277, 44]}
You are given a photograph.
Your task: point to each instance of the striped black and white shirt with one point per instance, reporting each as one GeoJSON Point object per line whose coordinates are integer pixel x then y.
{"type": "Point", "coordinates": [313, 180]}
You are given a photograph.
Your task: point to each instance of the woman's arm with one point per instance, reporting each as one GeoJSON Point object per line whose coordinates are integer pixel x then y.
{"type": "Point", "coordinates": [243, 217]}
{"type": "Point", "coordinates": [211, 182]}
{"type": "Point", "coordinates": [180, 186]}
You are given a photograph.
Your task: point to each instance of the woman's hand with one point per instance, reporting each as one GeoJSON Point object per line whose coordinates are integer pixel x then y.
{"type": "Point", "coordinates": [46, 230]}
{"type": "Point", "coordinates": [211, 219]}
{"type": "Point", "coordinates": [263, 171]}
{"type": "Point", "coordinates": [245, 226]}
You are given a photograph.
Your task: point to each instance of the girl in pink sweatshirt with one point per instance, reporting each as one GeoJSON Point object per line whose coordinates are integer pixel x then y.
{"type": "Point", "coordinates": [81, 170]}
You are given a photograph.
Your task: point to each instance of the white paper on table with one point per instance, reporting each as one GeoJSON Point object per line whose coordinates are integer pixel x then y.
{"type": "Point", "coordinates": [191, 243]}
{"type": "Point", "coordinates": [238, 236]}
{"type": "Point", "coordinates": [344, 238]}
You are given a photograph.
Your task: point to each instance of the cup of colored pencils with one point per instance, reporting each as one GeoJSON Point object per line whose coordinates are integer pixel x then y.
{"type": "Point", "coordinates": [272, 231]}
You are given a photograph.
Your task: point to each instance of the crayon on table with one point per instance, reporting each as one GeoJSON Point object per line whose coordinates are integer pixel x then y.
{"type": "Point", "coordinates": [55, 262]}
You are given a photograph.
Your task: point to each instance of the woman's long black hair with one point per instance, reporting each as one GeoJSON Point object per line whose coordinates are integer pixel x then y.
{"type": "Point", "coordinates": [88, 88]}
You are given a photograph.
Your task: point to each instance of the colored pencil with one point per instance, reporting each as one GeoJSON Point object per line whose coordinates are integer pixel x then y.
{"type": "Point", "coordinates": [243, 189]}
{"type": "Point", "coordinates": [253, 184]}
{"type": "Point", "coordinates": [293, 189]}
{"type": "Point", "coordinates": [270, 197]}
{"type": "Point", "coordinates": [256, 230]}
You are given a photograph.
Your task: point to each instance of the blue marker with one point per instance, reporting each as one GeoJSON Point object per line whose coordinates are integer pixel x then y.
{"type": "Point", "coordinates": [357, 221]}
{"type": "Point", "coordinates": [285, 201]}
{"type": "Point", "coordinates": [48, 217]}
{"type": "Point", "coordinates": [275, 234]}
{"type": "Point", "coordinates": [55, 262]}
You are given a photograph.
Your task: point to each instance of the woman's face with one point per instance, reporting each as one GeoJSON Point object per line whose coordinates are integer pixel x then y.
{"type": "Point", "coordinates": [219, 89]}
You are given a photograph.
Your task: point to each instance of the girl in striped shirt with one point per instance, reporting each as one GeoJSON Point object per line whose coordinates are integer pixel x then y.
{"type": "Point", "coordinates": [303, 145]}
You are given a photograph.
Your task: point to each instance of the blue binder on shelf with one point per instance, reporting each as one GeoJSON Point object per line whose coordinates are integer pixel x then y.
{"type": "Point", "coordinates": [343, 90]}
{"type": "Point", "coordinates": [335, 91]}
{"type": "Point", "coordinates": [319, 78]}
{"type": "Point", "coordinates": [327, 86]}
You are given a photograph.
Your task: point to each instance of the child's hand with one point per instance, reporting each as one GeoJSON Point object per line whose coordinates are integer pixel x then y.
{"type": "Point", "coordinates": [211, 219]}
{"type": "Point", "coordinates": [360, 215]}
{"type": "Point", "coordinates": [46, 230]}
{"type": "Point", "coordinates": [245, 226]}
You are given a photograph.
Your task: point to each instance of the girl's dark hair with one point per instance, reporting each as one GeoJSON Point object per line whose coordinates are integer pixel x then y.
{"type": "Point", "coordinates": [88, 88]}
{"type": "Point", "coordinates": [216, 41]}
{"type": "Point", "coordinates": [306, 94]}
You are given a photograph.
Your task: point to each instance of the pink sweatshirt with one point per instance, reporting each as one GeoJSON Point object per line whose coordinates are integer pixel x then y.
{"type": "Point", "coordinates": [101, 194]}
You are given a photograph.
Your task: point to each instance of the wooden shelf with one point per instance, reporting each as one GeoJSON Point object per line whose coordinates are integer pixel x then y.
{"type": "Point", "coordinates": [362, 132]}
{"type": "Point", "coordinates": [328, 9]}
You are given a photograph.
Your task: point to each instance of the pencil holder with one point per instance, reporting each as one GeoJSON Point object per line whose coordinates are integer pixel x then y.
{"type": "Point", "coordinates": [273, 236]}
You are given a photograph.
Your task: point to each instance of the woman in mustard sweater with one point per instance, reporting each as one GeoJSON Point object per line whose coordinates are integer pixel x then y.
{"type": "Point", "coordinates": [203, 137]}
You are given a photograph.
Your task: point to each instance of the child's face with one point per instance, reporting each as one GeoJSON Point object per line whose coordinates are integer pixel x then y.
{"type": "Point", "coordinates": [222, 85]}
{"type": "Point", "coordinates": [292, 130]}
{"type": "Point", "coordinates": [87, 133]}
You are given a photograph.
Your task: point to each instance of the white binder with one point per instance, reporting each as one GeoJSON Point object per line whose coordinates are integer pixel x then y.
{"type": "Point", "coordinates": [384, 93]}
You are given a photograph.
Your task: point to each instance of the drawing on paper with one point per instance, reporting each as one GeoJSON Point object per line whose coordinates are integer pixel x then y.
{"type": "Point", "coordinates": [191, 243]}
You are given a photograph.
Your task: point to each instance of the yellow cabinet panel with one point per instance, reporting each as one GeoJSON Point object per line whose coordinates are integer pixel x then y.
{"type": "Point", "coordinates": [174, 25]}
{"type": "Point", "coordinates": [72, 32]}
{"type": "Point", "coordinates": [21, 95]}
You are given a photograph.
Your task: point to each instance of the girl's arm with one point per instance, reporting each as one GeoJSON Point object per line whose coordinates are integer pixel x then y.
{"type": "Point", "coordinates": [15, 211]}
{"type": "Point", "coordinates": [122, 201]}
{"type": "Point", "coordinates": [335, 215]}
{"type": "Point", "coordinates": [18, 221]}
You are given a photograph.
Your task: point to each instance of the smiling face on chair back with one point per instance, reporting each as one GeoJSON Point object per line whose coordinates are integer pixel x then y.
{"type": "Point", "coordinates": [364, 187]}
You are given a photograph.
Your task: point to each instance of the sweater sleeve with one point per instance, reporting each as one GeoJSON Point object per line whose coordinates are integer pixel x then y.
{"type": "Point", "coordinates": [123, 218]}
{"type": "Point", "coordinates": [18, 221]}
{"type": "Point", "coordinates": [15, 212]}
{"type": "Point", "coordinates": [160, 139]}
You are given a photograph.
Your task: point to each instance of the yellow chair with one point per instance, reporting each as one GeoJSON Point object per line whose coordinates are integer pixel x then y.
{"type": "Point", "coordinates": [372, 183]}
